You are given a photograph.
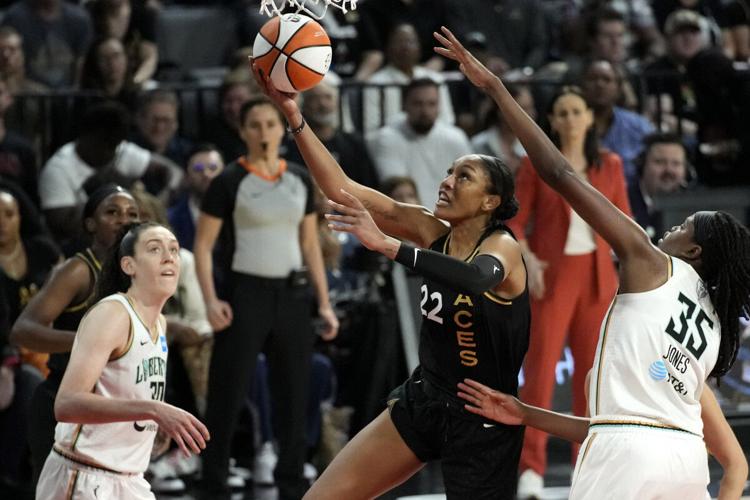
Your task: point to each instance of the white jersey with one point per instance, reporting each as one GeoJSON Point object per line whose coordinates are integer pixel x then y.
{"type": "Point", "coordinates": [140, 373]}
{"type": "Point", "coordinates": [656, 350]}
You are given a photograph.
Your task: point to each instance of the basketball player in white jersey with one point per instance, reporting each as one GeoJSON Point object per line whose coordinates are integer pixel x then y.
{"type": "Point", "coordinates": [110, 402]}
{"type": "Point", "coordinates": [673, 323]}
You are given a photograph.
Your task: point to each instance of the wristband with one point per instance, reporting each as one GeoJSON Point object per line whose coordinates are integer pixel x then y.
{"type": "Point", "coordinates": [295, 131]}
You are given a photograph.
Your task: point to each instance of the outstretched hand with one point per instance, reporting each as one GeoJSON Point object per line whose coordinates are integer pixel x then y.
{"type": "Point", "coordinates": [283, 100]}
{"type": "Point", "coordinates": [352, 217]}
{"type": "Point", "coordinates": [491, 404]}
{"type": "Point", "coordinates": [469, 65]}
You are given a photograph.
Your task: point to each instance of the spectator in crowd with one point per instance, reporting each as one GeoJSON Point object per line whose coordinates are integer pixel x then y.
{"type": "Point", "coordinates": [672, 97]}
{"type": "Point", "coordinates": [204, 164]}
{"type": "Point", "coordinates": [106, 69]}
{"type": "Point", "coordinates": [236, 89]}
{"type": "Point", "coordinates": [496, 138]}
{"type": "Point", "coordinates": [662, 169]}
{"type": "Point", "coordinates": [571, 274]}
{"type": "Point", "coordinates": [418, 144]}
{"type": "Point", "coordinates": [620, 130]}
{"type": "Point", "coordinates": [99, 155]}
{"type": "Point", "coordinates": [402, 57]}
{"type": "Point", "coordinates": [516, 30]}
{"type": "Point", "coordinates": [378, 19]}
{"type": "Point", "coordinates": [401, 188]}
{"type": "Point", "coordinates": [17, 159]}
{"type": "Point", "coordinates": [50, 320]}
{"type": "Point", "coordinates": [26, 258]}
{"type": "Point", "coordinates": [157, 123]}
{"type": "Point", "coordinates": [56, 35]}
{"type": "Point", "coordinates": [264, 208]}
{"type": "Point", "coordinates": [134, 24]}
{"type": "Point", "coordinates": [607, 39]}
{"type": "Point", "coordinates": [321, 106]}
{"type": "Point", "coordinates": [13, 64]}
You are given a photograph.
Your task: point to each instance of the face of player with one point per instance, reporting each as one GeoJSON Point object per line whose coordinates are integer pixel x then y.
{"type": "Point", "coordinates": [202, 168]}
{"type": "Point", "coordinates": [601, 85]}
{"type": "Point", "coordinates": [465, 193]}
{"type": "Point", "coordinates": [114, 212]}
{"type": "Point", "coordinates": [10, 221]}
{"type": "Point", "coordinates": [571, 117]}
{"type": "Point", "coordinates": [155, 265]}
{"type": "Point", "coordinates": [262, 130]}
{"type": "Point", "coordinates": [665, 169]}
{"type": "Point", "coordinates": [680, 240]}
{"type": "Point", "coordinates": [158, 123]}
{"type": "Point", "coordinates": [422, 107]}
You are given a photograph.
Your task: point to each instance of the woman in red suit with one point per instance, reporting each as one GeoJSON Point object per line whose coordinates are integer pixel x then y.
{"type": "Point", "coordinates": [572, 278]}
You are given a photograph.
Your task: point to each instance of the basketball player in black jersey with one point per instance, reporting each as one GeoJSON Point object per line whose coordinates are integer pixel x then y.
{"type": "Point", "coordinates": [476, 321]}
{"type": "Point", "coordinates": [62, 302]}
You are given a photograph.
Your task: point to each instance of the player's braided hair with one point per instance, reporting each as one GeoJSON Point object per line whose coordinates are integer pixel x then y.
{"type": "Point", "coordinates": [725, 268]}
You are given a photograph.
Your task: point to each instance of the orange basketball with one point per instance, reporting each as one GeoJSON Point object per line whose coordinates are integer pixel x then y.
{"type": "Point", "coordinates": [294, 50]}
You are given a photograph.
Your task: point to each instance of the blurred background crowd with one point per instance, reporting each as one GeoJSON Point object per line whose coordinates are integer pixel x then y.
{"type": "Point", "coordinates": [149, 94]}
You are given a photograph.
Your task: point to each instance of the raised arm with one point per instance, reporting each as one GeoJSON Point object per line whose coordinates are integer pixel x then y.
{"type": "Point", "coordinates": [409, 222]}
{"type": "Point", "coordinates": [723, 444]}
{"type": "Point", "coordinates": [69, 285]}
{"type": "Point", "coordinates": [643, 266]}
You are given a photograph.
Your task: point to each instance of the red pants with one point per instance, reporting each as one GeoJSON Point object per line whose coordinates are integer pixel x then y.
{"type": "Point", "coordinates": [572, 310]}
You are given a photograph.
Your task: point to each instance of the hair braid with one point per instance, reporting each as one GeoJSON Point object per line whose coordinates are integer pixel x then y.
{"type": "Point", "coordinates": [725, 268]}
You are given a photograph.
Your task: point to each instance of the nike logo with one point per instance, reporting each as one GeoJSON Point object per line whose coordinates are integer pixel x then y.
{"type": "Point", "coordinates": [139, 428]}
{"type": "Point", "coordinates": [495, 269]}
{"type": "Point", "coordinates": [488, 426]}
{"type": "Point", "coordinates": [416, 252]}
{"type": "Point", "coordinates": [144, 342]}
{"type": "Point", "coordinates": [95, 491]}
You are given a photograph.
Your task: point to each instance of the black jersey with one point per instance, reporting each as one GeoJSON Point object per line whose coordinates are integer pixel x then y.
{"type": "Point", "coordinates": [482, 337]}
{"type": "Point", "coordinates": [72, 315]}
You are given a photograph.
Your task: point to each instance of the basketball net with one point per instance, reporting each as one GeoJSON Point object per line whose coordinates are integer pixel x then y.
{"type": "Point", "coordinates": [314, 8]}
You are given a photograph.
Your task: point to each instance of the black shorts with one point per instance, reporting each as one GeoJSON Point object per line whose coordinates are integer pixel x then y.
{"type": "Point", "coordinates": [479, 458]}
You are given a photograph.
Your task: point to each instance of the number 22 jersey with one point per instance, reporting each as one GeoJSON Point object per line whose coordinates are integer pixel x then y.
{"type": "Point", "coordinates": [656, 350]}
{"type": "Point", "coordinates": [479, 336]}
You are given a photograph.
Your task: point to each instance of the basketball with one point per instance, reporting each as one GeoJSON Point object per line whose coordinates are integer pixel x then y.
{"type": "Point", "coordinates": [294, 50]}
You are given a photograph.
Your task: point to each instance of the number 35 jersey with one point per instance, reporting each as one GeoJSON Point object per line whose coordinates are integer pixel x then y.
{"type": "Point", "coordinates": [656, 350]}
{"type": "Point", "coordinates": [479, 336]}
{"type": "Point", "coordinates": [140, 373]}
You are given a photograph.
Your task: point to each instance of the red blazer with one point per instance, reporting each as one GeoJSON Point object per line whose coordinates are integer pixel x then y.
{"type": "Point", "coordinates": [544, 217]}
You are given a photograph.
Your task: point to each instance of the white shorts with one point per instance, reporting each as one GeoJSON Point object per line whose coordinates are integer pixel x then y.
{"type": "Point", "coordinates": [63, 479]}
{"type": "Point", "coordinates": [640, 463]}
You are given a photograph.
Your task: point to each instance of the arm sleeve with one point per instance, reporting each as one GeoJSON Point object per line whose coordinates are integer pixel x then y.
{"type": "Point", "coordinates": [483, 273]}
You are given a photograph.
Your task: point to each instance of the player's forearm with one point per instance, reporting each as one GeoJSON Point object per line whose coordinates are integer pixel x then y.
{"type": "Point", "coordinates": [733, 482]}
{"type": "Point", "coordinates": [567, 427]}
{"type": "Point", "coordinates": [87, 408]}
{"type": "Point", "coordinates": [31, 335]}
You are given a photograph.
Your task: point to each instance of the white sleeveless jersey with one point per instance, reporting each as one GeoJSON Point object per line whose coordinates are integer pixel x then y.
{"type": "Point", "coordinates": [140, 373]}
{"type": "Point", "coordinates": [656, 350]}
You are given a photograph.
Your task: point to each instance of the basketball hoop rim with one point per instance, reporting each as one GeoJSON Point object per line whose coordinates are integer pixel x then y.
{"type": "Point", "coordinates": [270, 7]}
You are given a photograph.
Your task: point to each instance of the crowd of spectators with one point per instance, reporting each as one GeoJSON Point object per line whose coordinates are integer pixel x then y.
{"type": "Point", "coordinates": [86, 100]}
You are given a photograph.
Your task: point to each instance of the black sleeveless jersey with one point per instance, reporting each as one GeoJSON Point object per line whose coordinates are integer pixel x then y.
{"type": "Point", "coordinates": [483, 337]}
{"type": "Point", "coordinates": [72, 315]}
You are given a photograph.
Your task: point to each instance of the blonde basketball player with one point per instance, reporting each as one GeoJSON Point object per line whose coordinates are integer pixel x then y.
{"type": "Point", "coordinates": [673, 323]}
{"type": "Point", "coordinates": [110, 402]}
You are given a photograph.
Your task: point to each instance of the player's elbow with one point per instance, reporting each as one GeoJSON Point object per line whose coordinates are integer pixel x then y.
{"type": "Point", "coordinates": [20, 334]}
{"type": "Point", "coordinates": [64, 408]}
